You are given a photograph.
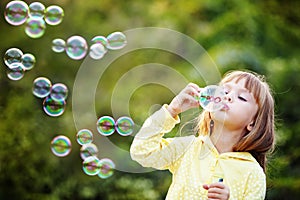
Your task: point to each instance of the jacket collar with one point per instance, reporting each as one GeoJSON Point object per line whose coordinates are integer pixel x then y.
{"type": "Point", "coordinates": [205, 140]}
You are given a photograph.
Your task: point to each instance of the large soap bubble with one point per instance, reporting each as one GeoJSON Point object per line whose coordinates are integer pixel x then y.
{"type": "Point", "coordinates": [16, 12]}
{"type": "Point", "coordinates": [76, 47]}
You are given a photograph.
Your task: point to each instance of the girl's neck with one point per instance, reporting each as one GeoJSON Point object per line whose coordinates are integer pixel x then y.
{"type": "Point", "coordinates": [224, 139]}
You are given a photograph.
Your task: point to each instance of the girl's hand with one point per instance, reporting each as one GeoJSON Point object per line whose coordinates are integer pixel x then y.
{"type": "Point", "coordinates": [217, 191]}
{"type": "Point", "coordinates": [185, 100]}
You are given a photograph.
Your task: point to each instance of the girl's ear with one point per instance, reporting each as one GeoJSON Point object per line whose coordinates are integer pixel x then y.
{"type": "Point", "coordinates": [250, 126]}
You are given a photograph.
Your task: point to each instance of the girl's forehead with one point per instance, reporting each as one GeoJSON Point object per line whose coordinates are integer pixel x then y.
{"type": "Point", "coordinates": [235, 82]}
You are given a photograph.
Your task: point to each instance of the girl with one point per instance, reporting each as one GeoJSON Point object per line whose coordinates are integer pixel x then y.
{"type": "Point", "coordinates": [227, 160]}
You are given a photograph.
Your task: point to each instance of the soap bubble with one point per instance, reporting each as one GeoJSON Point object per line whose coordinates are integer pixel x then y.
{"type": "Point", "coordinates": [54, 108]}
{"type": "Point", "coordinates": [16, 12]}
{"type": "Point", "coordinates": [91, 165]}
{"type": "Point", "coordinates": [88, 150]}
{"type": "Point", "coordinates": [59, 92]}
{"type": "Point", "coordinates": [124, 126]}
{"type": "Point", "coordinates": [58, 45]}
{"type": "Point", "coordinates": [15, 71]}
{"type": "Point", "coordinates": [41, 87]}
{"type": "Point", "coordinates": [35, 27]}
{"type": "Point", "coordinates": [100, 39]}
{"type": "Point", "coordinates": [106, 125]}
{"type": "Point", "coordinates": [107, 167]}
{"type": "Point", "coordinates": [28, 61]}
{"type": "Point", "coordinates": [36, 9]}
{"type": "Point", "coordinates": [211, 98]}
{"type": "Point", "coordinates": [61, 146]}
{"type": "Point", "coordinates": [84, 136]}
{"type": "Point", "coordinates": [97, 51]}
{"type": "Point", "coordinates": [54, 15]}
{"type": "Point", "coordinates": [116, 40]}
{"type": "Point", "coordinates": [76, 47]}
{"type": "Point", "coordinates": [13, 55]}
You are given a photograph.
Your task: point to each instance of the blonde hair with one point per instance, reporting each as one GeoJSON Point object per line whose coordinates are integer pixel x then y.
{"type": "Point", "coordinates": [260, 140]}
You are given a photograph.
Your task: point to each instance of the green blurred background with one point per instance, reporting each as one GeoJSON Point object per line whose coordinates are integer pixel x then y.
{"type": "Point", "coordinates": [263, 36]}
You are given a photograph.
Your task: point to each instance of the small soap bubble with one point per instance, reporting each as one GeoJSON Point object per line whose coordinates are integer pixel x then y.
{"type": "Point", "coordinates": [36, 9]}
{"type": "Point", "coordinates": [211, 98]}
{"type": "Point", "coordinates": [54, 15]}
{"type": "Point", "coordinates": [91, 165]}
{"type": "Point", "coordinates": [41, 87]}
{"type": "Point", "coordinates": [84, 136]}
{"type": "Point", "coordinates": [58, 45]}
{"type": "Point", "coordinates": [124, 126]}
{"type": "Point", "coordinates": [107, 167]}
{"type": "Point", "coordinates": [88, 150]}
{"type": "Point", "coordinates": [15, 71]}
{"type": "Point", "coordinates": [13, 55]}
{"type": "Point", "coordinates": [54, 108]}
{"type": "Point", "coordinates": [100, 39]}
{"type": "Point", "coordinates": [61, 146]}
{"type": "Point", "coordinates": [106, 125]}
{"type": "Point", "coordinates": [28, 61]}
{"type": "Point", "coordinates": [116, 40]}
{"type": "Point", "coordinates": [35, 27]}
{"type": "Point", "coordinates": [97, 51]}
{"type": "Point", "coordinates": [16, 12]}
{"type": "Point", "coordinates": [76, 47]}
{"type": "Point", "coordinates": [59, 92]}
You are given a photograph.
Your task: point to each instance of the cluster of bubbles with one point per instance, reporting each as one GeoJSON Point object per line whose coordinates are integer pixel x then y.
{"type": "Point", "coordinates": [106, 125]}
{"type": "Point", "coordinates": [54, 96]}
{"type": "Point", "coordinates": [76, 47]}
{"type": "Point", "coordinates": [91, 164]}
{"type": "Point", "coordinates": [35, 16]}
{"type": "Point", "coordinates": [211, 98]}
{"type": "Point", "coordinates": [17, 63]}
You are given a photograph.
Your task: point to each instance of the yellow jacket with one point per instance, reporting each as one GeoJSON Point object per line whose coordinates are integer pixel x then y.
{"type": "Point", "coordinates": [195, 161]}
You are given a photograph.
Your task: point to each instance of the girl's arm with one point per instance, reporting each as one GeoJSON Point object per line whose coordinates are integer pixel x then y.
{"type": "Point", "coordinates": [150, 149]}
{"type": "Point", "coordinates": [256, 186]}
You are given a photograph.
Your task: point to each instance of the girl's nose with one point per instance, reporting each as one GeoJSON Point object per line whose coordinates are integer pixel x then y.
{"type": "Point", "coordinates": [228, 98]}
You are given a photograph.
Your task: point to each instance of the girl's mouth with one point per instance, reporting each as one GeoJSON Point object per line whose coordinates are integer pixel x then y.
{"type": "Point", "coordinates": [225, 107]}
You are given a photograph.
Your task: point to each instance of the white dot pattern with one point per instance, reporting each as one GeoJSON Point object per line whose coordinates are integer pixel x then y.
{"type": "Point", "coordinates": [194, 161]}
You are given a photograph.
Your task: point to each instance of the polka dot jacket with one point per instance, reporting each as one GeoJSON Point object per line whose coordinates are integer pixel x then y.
{"type": "Point", "coordinates": [194, 161]}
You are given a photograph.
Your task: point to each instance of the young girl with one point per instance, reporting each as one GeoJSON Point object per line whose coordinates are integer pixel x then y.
{"type": "Point", "coordinates": [227, 160]}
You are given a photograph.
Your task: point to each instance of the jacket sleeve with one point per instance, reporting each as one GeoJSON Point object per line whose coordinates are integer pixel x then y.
{"type": "Point", "coordinates": [256, 186]}
{"type": "Point", "coordinates": [150, 149]}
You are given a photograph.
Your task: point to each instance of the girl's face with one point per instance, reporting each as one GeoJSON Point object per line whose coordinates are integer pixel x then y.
{"type": "Point", "coordinates": [239, 108]}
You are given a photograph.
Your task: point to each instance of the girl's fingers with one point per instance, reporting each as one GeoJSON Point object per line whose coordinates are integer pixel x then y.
{"type": "Point", "coordinates": [195, 86]}
{"type": "Point", "coordinates": [217, 191]}
{"type": "Point", "coordinates": [217, 185]}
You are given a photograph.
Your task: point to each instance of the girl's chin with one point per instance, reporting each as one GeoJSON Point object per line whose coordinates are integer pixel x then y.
{"type": "Point", "coordinates": [220, 116]}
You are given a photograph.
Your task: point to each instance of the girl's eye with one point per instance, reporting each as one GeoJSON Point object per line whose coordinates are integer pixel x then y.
{"type": "Point", "coordinates": [242, 98]}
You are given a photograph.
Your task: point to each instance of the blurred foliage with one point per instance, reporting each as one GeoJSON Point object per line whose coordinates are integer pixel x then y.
{"type": "Point", "coordinates": [263, 36]}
